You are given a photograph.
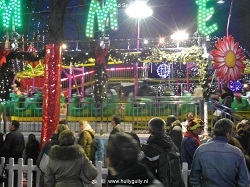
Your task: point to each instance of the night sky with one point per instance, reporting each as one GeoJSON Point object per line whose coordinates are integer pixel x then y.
{"type": "Point", "coordinates": [168, 16]}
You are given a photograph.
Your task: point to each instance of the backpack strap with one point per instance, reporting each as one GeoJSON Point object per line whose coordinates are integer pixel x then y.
{"type": "Point", "coordinates": [154, 146]}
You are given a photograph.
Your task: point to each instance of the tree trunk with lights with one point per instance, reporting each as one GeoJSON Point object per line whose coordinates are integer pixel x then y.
{"type": "Point", "coordinates": [52, 70]}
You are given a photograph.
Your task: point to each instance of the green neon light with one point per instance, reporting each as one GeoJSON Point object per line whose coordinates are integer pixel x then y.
{"type": "Point", "coordinates": [204, 14]}
{"type": "Point", "coordinates": [11, 10]}
{"type": "Point", "coordinates": [95, 9]}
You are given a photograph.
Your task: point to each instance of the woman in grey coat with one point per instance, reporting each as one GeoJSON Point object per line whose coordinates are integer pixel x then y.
{"type": "Point", "coordinates": [66, 162]}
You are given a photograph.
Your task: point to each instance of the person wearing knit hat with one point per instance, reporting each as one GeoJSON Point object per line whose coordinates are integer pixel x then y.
{"type": "Point", "coordinates": [191, 140]}
{"type": "Point", "coordinates": [86, 137]}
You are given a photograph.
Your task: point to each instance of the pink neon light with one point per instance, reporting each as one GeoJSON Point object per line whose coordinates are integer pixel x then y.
{"type": "Point", "coordinates": [110, 69]}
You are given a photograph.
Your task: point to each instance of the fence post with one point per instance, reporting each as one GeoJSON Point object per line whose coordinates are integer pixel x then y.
{"type": "Point", "coordinates": [185, 173]}
{"type": "Point", "coordinates": [29, 173]}
{"type": "Point", "coordinates": [1, 169]}
{"type": "Point", "coordinates": [99, 176]}
{"type": "Point", "coordinates": [10, 168]}
{"type": "Point", "coordinates": [19, 172]}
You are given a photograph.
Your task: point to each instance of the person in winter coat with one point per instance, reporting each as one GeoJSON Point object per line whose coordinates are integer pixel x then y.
{"type": "Point", "coordinates": [123, 163]}
{"type": "Point", "coordinates": [13, 146]}
{"type": "Point", "coordinates": [47, 147]}
{"type": "Point", "coordinates": [32, 151]}
{"type": "Point", "coordinates": [159, 138]}
{"type": "Point", "coordinates": [243, 135]}
{"type": "Point", "coordinates": [86, 137]}
{"type": "Point", "coordinates": [66, 162]}
{"type": "Point", "coordinates": [115, 122]}
{"type": "Point", "coordinates": [175, 131]}
{"type": "Point", "coordinates": [32, 148]}
{"type": "Point", "coordinates": [191, 140]}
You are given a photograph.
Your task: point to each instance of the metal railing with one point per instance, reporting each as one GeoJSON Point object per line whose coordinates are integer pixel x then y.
{"type": "Point", "coordinates": [227, 112]}
{"type": "Point", "coordinates": [135, 112]}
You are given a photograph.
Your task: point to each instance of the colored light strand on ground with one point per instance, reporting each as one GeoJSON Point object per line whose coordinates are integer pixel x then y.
{"type": "Point", "coordinates": [11, 11]}
{"type": "Point", "coordinates": [102, 13]}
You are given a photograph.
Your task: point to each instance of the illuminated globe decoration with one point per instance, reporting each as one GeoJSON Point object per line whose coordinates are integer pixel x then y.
{"type": "Point", "coordinates": [12, 9]}
{"type": "Point", "coordinates": [204, 14]}
{"type": "Point", "coordinates": [236, 86]}
{"type": "Point", "coordinates": [163, 71]}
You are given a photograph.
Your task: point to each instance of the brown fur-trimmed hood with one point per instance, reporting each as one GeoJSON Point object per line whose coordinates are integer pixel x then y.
{"type": "Point", "coordinates": [66, 152]}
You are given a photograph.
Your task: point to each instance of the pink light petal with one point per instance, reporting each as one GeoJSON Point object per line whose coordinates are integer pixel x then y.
{"type": "Point", "coordinates": [231, 43]}
{"type": "Point", "coordinates": [217, 53]}
{"type": "Point", "coordinates": [230, 74]}
{"type": "Point", "coordinates": [236, 71]}
{"type": "Point", "coordinates": [223, 71]}
{"type": "Point", "coordinates": [224, 47]}
{"type": "Point", "coordinates": [236, 46]}
{"type": "Point", "coordinates": [219, 59]}
{"type": "Point", "coordinates": [226, 41]}
{"type": "Point", "coordinates": [218, 65]}
{"type": "Point", "coordinates": [240, 66]}
{"type": "Point", "coordinates": [218, 46]}
{"type": "Point", "coordinates": [240, 58]}
{"type": "Point", "coordinates": [240, 50]}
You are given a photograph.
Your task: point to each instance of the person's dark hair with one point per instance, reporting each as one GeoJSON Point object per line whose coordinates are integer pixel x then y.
{"type": "Point", "coordinates": [222, 127]}
{"type": "Point", "coordinates": [136, 137]}
{"type": "Point", "coordinates": [157, 126]}
{"type": "Point", "coordinates": [171, 119]}
{"type": "Point", "coordinates": [122, 150]}
{"type": "Point", "coordinates": [31, 137]}
{"type": "Point", "coordinates": [116, 119]}
{"type": "Point", "coordinates": [63, 121]}
{"type": "Point", "coordinates": [15, 123]}
{"type": "Point", "coordinates": [66, 138]}
{"type": "Point", "coordinates": [226, 89]}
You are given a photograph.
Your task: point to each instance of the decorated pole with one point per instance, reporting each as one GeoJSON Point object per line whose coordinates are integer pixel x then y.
{"type": "Point", "coordinates": [52, 71]}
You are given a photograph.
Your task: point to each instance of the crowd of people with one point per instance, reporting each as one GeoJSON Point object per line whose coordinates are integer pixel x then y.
{"type": "Point", "coordinates": [221, 160]}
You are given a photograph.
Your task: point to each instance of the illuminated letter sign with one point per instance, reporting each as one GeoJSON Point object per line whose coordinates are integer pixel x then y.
{"type": "Point", "coordinates": [95, 9]}
{"type": "Point", "coordinates": [203, 15]}
{"type": "Point", "coordinates": [12, 10]}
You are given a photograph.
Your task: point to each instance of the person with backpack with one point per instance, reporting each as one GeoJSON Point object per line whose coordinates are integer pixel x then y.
{"type": "Point", "coordinates": [161, 155]}
{"type": "Point", "coordinates": [86, 139]}
{"type": "Point", "coordinates": [125, 168]}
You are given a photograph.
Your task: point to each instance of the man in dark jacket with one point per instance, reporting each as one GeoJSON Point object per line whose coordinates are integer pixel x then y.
{"type": "Point", "coordinates": [158, 138]}
{"type": "Point", "coordinates": [13, 146]}
{"type": "Point", "coordinates": [14, 143]}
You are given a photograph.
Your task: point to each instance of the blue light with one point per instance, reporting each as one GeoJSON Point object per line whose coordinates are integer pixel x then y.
{"type": "Point", "coordinates": [163, 71]}
{"type": "Point", "coordinates": [236, 86]}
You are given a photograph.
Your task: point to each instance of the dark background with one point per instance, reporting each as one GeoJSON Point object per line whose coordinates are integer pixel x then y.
{"type": "Point", "coordinates": [168, 16]}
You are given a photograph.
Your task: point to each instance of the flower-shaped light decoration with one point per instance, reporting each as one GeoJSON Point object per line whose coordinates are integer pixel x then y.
{"type": "Point", "coordinates": [228, 58]}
